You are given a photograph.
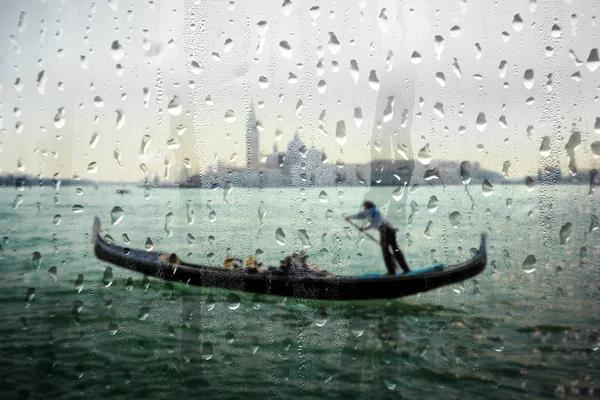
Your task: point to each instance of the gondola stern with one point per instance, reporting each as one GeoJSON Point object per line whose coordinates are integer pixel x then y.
{"type": "Point", "coordinates": [483, 250]}
{"type": "Point", "coordinates": [96, 229]}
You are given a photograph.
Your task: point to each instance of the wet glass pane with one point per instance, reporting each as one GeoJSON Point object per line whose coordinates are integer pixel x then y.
{"type": "Point", "coordinates": [299, 199]}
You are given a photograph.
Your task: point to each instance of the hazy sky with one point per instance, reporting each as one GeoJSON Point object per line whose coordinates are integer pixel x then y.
{"type": "Point", "coordinates": [74, 76]}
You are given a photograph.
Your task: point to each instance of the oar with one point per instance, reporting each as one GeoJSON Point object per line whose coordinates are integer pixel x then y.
{"type": "Point", "coordinates": [366, 234]}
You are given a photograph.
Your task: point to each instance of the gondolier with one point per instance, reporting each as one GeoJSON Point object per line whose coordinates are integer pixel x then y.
{"type": "Point", "coordinates": [388, 243]}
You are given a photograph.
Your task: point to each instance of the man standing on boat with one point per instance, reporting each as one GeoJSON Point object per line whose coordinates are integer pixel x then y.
{"type": "Point", "coordinates": [387, 235]}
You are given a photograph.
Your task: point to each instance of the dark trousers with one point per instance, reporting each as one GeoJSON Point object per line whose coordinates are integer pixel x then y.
{"type": "Point", "coordinates": [391, 251]}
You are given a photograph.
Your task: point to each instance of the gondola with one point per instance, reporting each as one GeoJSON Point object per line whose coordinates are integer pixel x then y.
{"type": "Point", "coordinates": [169, 267]}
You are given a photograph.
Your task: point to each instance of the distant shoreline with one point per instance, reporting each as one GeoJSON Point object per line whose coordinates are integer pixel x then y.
{"type": "Point", "coordinates": [123, 187]}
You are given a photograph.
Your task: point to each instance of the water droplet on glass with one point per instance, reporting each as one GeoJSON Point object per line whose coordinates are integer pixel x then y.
{"type": "Point", "coordinates": [263, 82]}
{"type": "Point", "coordinates": [595, 147]}
{"type": "Point", "coordinates": [416, 58]}
{"type": "Point", "coordinates": [340, 133]}
{"type": "Point", "coordinates": [285, 49]}
{"type": "Point", "coordinates": [594, 225]}
{"type": "Point", "coordinates": [29, 296]}
{"type": "Point", "coordinates": [455, 31]}
{"type": "Point", "coordinates": [94, 140]}
{"type": "Point", "coordinates": [333, 44]}
{"type": "Point", "coordinates": [424, 155]}
{"type": "Point", "coordinates": [456, 68]}
{"type": "Point", "coordinates": [191, 240]}
{"type": "Point", "coordinates": [517, 23]}
{"type": "Point", "coordinates": [481, 122]}
{"type": "Point", "coordinates": [59, 118]}
{"type": "Point", "coordinates": [439, 46]}
{"type": "Point", "coordinates": [175, 107]}
{"type": "Point", "coordinates": [440, 79]}
{"type": "Point", "coordinates": [373, 80]}
{"type": "Point", "coordinates": [398, 193]}
{"type": "Point", "coordinates": [597, 125]}
{"type": "Point", "coordinates": [329, 214]}
{"type": "Point", "coordinates": [439, 109]}
{"type": "Point", "coordinates": [357, 327]}
{"type": "Point", "coordinates": [77, 209]}
{"type": "Point", "coordinates": [98, 102]}
{"type": "Point", "coordinates": [149, 245]}
{"type": "Point", "coordinates": [315, 12]}
{"type": "Point", "coordinates": [593, 61]}
{"type": "Point", "coordinates": [255, 344]}
{"type": "Point", "coordinates": [107, 278]}
{"type": "Point", "coordinates": [79, 283]}
{"type": "Point", "coordinates": [502, 69]}
{"type": "Point", "coordinates": [323, 197]}
{"type": "Point", "coordinates": [529, 264]}
{"type": "Point", "coordinates": [190, 212]}
{"type": "Point", "coordinates": [233, 301]}
{"type": "Point", "coordinates": [565, 233]}
{"type": "Point", "coordinates": [354, 70]}
{"type": "Point", "coordinates": [207, 351]}
{"type": "Point", "coordinates": [210, 302]}
{"type": "Point", "coordinates": [383, 21]}
{"type": "Point", "coordinates": [195, 67]}
{"type": "Point", "coordinates": [143, 313]}
{"type": "Point", "coordinates": [529, 183]}
{"type": "Point", "coordinates": [262, 212]}
{"type": "Point", "coordinates": [320, 317]}
{"type": "Point", "coordinates": [116, 215]}
{"type": "Point", "coordinates": [497, 344]}
{"type": "Point", "coordinates": [92, 168]}
{"type": "Point", "coordinates": [545, 146]}
{"type": "Point", "coordinates": [120, 119]}
{"type": "Point", "coordinates": [112, 328]}
{"type": "Point", "coordinates": [116, 50]}
{"type": "Point", "coordinates": [358, 117]}
{"type": "Point", "coordinates": [556, 32]}
{"type": "Point", "coordinates": [22, 24]}
{"type": "Point", "coordinates": [228, 45]}
{"type": "Point", "coordinates": [53, 272]}
{"type": "Point", "coordinates": [303, 236]}
{"type": "Point", "coordinates": [258, 255]}
{"type": "Point", "coordinates": [594, 341]}
{"type": "Point", "coordinates": [169, 218]}
{"type": "Point", "coordinates": [428, 229]}
{"type": "Point", "coordinates": [505, 167]}
{"type": "Point", "coordinates": [287, 8]}
{"type": "Point", "coordinates": [528, 79]}
{"type": "Point", "coordinates": [280, 237]}
{"type": "Point", "coordinates": [433, 204]}
{"type": "Point", "coordinates": [455, 218]}
{"type": "Point", "coordinates": [17, 201]}
{"type": "Point", "coordinates": [487, 188]}
{"type": "Point", "coordinates": [230, 116]}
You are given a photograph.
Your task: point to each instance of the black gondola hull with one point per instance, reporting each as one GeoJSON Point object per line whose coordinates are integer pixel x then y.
{"type": "Point", "coordinates": [164, 266]}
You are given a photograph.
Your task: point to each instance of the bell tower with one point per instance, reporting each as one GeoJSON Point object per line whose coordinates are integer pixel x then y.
{"type": "Point", "coordinates": [252, 144]}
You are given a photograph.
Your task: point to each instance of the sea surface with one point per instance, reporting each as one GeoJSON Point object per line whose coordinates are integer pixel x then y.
{"type": "Point", "coordinates": [73, 327]}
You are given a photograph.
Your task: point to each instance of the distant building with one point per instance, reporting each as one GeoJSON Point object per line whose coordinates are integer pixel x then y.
{"type": "Point", "coordinates": [252, 142]}
{"type": "Point", "coordinates": [301, 165]}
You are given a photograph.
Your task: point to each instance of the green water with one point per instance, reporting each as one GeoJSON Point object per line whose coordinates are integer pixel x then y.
{"type": "Point", "coordinates": [515, 331]}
